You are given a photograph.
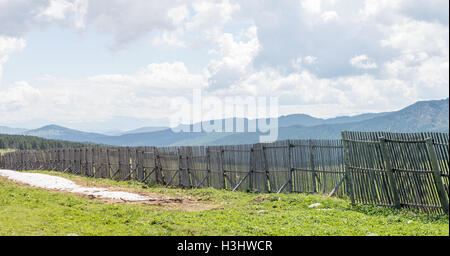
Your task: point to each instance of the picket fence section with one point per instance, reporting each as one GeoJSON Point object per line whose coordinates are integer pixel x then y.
{"type": "Point", "coordinates": [378, 168]}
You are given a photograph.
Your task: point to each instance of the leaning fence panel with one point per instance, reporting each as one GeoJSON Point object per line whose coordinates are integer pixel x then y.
{"type": "Point", "coordinates": [399, 169]}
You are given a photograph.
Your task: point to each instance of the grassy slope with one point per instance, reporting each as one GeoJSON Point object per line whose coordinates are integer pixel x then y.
{"type": "Point", "coordinates": [30, 211]}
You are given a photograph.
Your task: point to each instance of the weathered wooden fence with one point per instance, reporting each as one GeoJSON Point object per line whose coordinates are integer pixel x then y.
{"type": "Point", "coordinates": [285, 166]}
{"type": "Point", "coordinates": [398, 169]}
{"type": "Point", "coordinates": [379, 168]}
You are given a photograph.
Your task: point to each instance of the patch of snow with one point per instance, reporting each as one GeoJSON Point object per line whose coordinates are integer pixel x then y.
{"type": "Point", "coordinates": [58, 183]}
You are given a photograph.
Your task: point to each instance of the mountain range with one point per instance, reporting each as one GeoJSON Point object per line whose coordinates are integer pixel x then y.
{"type": "Point", "coordinates": [421, 116]}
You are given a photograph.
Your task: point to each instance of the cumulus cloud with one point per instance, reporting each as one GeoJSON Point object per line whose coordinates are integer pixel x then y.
{"type": "Point", "coordinates": [312, 6]}
{"type": "Point", "coordinates": [71, 11]}
{"type": "Point", "coordinates": [236, 58]}
{"type": "Point", "coordinates": [20, 97]}
{"type": "Point", "coordinates": [363, 62]}
{"type": "Point", "coordinates": [9, 45]}
{"type": "Point", "coordinates": [322, 57]}
{"type": "Point", "coordinates": [124, 21]}
{"type": "Point", "coordinates": [156, 77]}
{"type": "Point", "coordinates": [144, 94]}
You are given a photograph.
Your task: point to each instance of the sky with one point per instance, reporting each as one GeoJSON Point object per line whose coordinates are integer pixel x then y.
{"type": "Point", "coordinates": [105, 65]}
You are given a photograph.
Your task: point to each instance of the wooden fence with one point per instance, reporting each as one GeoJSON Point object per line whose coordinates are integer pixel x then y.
{"type": "Point", "coordinates": [285, 166]}
{"type": "Point", "coordinates": [398, 169]}
{"type": "Point", "coordinates": [378, 168]}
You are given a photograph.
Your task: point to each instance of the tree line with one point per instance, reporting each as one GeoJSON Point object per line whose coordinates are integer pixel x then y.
{"type": "Point", "coordinates": [24, 142]}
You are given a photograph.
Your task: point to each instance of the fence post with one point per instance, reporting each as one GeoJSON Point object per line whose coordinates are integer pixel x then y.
{"type": "Point", "coordinates": [313, 170]}
{"type": "Point", "coordinates": [266, 170]}
{"type": "Point", "coordinates": [140, 163]}
{"type": "Point", "coordinates": [347, 176]}
{"type": "Point", "coordinates": [291, 168]}
{"type": "Point", "coordinates": [437, 175]}
{"type": "Point", "coordinates": [158, 168]}
{"type": "Point", "coordinates": [208, 167]}
{"type": "Point", "coordinates": [222, 152]}
{"type": "Point", "coordinates": [252, 165]}
{"type": "Point", "coordinates": [389, 172]}
{"type": "Point", "coordinates": [180, 181]}
{"type": "Point", "coordinates": [188, 169]}
{"type": "Point", "coordinates": [108, 165]}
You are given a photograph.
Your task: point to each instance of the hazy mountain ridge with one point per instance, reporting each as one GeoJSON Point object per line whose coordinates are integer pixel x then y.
{"type": "Point", "coordinates": [418, 117]}
{"type": "Point", "coordinates": [430, 116]}
{"type": "Point", "coordinates": [62, 133]}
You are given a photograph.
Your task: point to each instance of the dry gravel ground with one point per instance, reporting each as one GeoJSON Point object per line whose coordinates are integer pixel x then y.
{"type": "Point", "coordinates": [56, 183]}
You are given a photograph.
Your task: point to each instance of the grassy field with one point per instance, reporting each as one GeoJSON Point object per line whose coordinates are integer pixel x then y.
{"type": "Point", "coordinates": [31, 211]}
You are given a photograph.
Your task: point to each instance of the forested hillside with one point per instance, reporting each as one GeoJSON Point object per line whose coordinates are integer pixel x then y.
{"type": "Point", "coordinates": [30, 142]}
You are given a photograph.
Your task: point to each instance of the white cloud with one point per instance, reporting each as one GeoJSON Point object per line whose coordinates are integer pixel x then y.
{"type": "Point", "coordinates": [326, 97]}
{"type": "Point", "coordinates": [144, 94]}
{"type": "Point", "coordinates": [312, 6]}
{"type": "Point", "coordinates": [310, 59]}
{"type": "Point", "coordinates": [252, 49]}
{"type": "Point", "coordinates": [202, 26]}
{"type": "Point", "coordinates": [157, 76]}
{"type": "Point", "coordinates": [211, 13]}
{"type": "Point", "coordinates": [168, 39]}
{"type": "Point", "coordinates": [236, 58]}
{"type": "Point", "coordinates": [68, 12]}
{"type": "Point", "coordinates": [178, 14]}
{"type": "Point", "coordinates": [9, 45]}
{"type": "Point", "coordinates": [56, 10]}
{"type": "Point", "coordinates": [375, 7]}
{"type": "Point", "coordinates": [20, 97]}
{"type": "Point", "coordinates": [329, 15]}
{"type": "Point", "coordinates": [423, 58]}
{"type": "Point", "coordinates": [411, 36]}
{"type": "Point", "coordinates": [363, 62]}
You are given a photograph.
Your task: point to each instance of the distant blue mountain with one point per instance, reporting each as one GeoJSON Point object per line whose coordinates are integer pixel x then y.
{"type": "Point", "coordinates": [62, 133]}
{"type": "Point", "coordinates": [421, 116]}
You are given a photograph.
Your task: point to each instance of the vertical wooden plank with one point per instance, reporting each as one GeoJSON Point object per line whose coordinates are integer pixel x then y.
{"type": "Point", "coordinates": [291, 167]}
{"type": "Point", "coordinates": [313, 169]}
{"type": "Point", "coordinates": [158, 168]}
{"type": "Point", "coordinates": [96, 162]}
{"type": "Point", "coordinates": [208, 166]}
{"type": "Point", "coordinates": [389, 172]}
{"type": "Point", "coordinates": [222, 159]}
{"type": "Point", "coordinates": [139, 175]}
{"type": "Point", "coordinates": [251, 169]}
{"type": "Point", "coordinates": [437, 175]}
{"type": "Point", "coordinates": [179, 157]}
{"type": "Point", "coordinates": [90, 159]}
{"type": "Point", "coordinates": [108, 164]}
{"type": "Point", "coordinates": [265, 165]}
{"type": "Point", "coordinates": [348, 178]}
{"type": "Point", "coordinates": [188, 181]}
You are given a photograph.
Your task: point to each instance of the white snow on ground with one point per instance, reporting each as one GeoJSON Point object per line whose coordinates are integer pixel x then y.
{"type": "Point", "coordinates": [62, 184]}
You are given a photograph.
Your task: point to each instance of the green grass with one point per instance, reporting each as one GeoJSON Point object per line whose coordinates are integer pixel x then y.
{"type": "Point", "coordinates": [31, 211]}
